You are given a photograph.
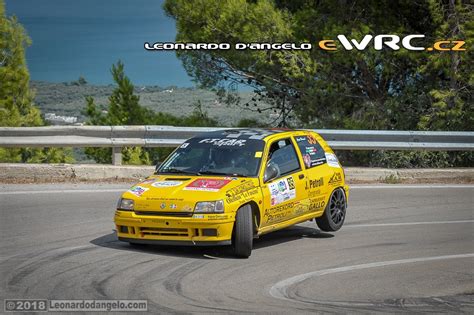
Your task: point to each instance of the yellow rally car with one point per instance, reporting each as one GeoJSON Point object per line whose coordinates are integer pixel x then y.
{"type": "Point", "coordinates": [228, 187]}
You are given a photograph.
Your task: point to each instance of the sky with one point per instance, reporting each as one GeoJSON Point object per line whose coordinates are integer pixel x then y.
{"type": "Point", "coordinates": [74, 38]}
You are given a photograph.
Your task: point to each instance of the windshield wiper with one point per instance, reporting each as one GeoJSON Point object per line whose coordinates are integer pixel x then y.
{"type": "Point", "coordinates": [177, 171]}
{"type": "Point", "coordinates": [220, 173]}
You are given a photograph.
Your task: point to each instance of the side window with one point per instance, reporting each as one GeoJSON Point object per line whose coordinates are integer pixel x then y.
{"type": "Point", "coordinates": [283, 155]}
{"type": "Point", "coordinates": [312, 152]}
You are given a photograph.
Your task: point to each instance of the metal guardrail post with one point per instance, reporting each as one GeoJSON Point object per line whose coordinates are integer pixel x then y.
{"type": "Point", "coordinates": [116, 156]}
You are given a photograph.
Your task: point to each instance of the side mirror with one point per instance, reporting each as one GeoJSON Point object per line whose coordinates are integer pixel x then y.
{"type": "Point", "coordinates": [271, 172]}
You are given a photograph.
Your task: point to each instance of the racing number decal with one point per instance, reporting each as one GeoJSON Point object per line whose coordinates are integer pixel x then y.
{"type": "Point", "coordinates": [291, 183]}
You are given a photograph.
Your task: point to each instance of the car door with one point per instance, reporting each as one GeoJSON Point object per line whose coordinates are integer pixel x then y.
{"type": "Point", "coordinates": [317, 172]}
{"type": "Point", "coordinates": [284, 194]}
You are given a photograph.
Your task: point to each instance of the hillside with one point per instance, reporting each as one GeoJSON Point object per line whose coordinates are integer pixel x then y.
{"type": "Point", "coordinates": [67, 99]}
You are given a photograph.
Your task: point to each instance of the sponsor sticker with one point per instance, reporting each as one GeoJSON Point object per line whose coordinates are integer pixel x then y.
{"type": "Point", "coordinates": [167, 183]}
{"type": "Point", "coordinates": [187, 208]}
{"type": "Point", "coordinates": [164, 199]}
{"type": "Point", "coordinates": [278, 213]}
{"type": "Point", "coordinates": [332, 160]}
{"type": "Point", "coordinates": [311, 139]}
{"type": "Point", "coordinates": [291, 183]}
{"type": "Point", "coordinates": [184, 145]}
{"type": "Point", "coordinates": [318, 161]}
{"type": "Point", "coordinates": [335, 179]}
{"type": "Point", "coordinates": [282, 190]}
{"type": "Point", "coordinates": [307, 160]}
{"type": "Point", "coordinates": [258, 154]}
{"type": "Point", "coordinates": [317, 204]}
{"type": "Point", "coordinates": [300, 209]}
{"type": "Point", "coordinates": [315, 183]}
{"type": "Point", "coordinates": [225, 142]}
{"type": "Point", "coordinates": [217, 217]}
{"type": "Point", "coordinates": [138, 190]}
{"type": "Point", "coordinates": [243, 191]}
{"type": "Point", "coordinates": [299, 139]}
{"type": "Point", "coordinates": [207, 184]}
{"type": "Point", "coordinates": [311, 150]}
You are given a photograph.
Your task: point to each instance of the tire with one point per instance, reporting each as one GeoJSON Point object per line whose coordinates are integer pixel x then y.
{"type": "Point", "coordinates": [243, 232]}
{"type": "Point", "coordinates": [335, 212]}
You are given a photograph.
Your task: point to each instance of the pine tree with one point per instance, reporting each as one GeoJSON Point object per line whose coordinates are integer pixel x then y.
{"type": "Point", "coordinates": [123, 109]}
{"type": "Point", "coordinates": [16, 97]}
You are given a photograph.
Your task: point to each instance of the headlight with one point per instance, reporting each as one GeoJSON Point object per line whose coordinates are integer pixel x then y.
{"type": "Point", "coordinates": [209, 207]}
{"type": "Point", "coordinates": [125, 204]}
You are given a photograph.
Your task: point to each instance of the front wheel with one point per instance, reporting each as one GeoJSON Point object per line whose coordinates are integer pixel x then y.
{"type": "Point", "coordinates": [243, 232]}
{"type": "Point", "coordinates": [335, 212]}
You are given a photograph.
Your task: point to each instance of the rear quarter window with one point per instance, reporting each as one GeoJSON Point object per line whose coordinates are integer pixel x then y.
{"type": "Point", "coordinates": [312, 152]}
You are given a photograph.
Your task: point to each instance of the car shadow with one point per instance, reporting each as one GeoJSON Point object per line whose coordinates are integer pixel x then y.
{"type": "Point", "coordinates": [289, 234]}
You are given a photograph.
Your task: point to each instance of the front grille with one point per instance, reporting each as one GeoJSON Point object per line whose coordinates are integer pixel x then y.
{"type": "Point", "coordinates": [163, 231]}
{"type": "Point", "coordinates": [165, 214]}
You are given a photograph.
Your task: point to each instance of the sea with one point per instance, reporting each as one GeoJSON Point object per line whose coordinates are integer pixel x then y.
{"type": "Point", "coordinates": [73, 38]}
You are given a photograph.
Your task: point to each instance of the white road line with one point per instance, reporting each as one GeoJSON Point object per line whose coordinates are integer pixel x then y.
{"type": "Point", "coordinates": [66, 191]}
{"type": "Point", "coordinates": [406, 223]}
{"type": "Point", "coordinates": [20, 192]}
{"type": "Point", "coordinates": [279, 290]}
{"type": "Point", "coordinates": [397, 186]}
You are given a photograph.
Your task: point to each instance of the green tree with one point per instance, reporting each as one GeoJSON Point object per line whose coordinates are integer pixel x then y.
{"type": "Point", "coordinates": [124, 109]}
{"type": "Point", "coordinates": [16, 97]}
{"type": "Point", "coordinates": [451, 95]}
{"type": "Point", "coordinates": [369, 89]}
{"type": "Point", "coordinates": [372, 89]}
{"type": "Point", "coordinates": [124, 106]}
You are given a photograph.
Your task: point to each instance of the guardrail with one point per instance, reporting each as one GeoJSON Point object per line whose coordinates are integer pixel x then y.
{"type": "Point", "coordinates": [170, 136]}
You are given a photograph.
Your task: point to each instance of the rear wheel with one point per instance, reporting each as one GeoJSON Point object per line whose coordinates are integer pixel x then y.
{"type": "Point", "coordinates": [243, 233]}
{"type": "Point", "coordinates": [335, 212]}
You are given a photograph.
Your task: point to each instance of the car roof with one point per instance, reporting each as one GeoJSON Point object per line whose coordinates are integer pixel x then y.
{"type": "Point", "coordinates": [246, 133]}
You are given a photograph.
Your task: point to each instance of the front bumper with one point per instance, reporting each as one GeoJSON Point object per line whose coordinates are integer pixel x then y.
{"type": "Point", "coordinates": [202, 229]}
{"type": "Point", "coordinates": [178, 243]}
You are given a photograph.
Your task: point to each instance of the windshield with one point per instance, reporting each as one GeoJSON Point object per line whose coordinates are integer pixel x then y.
{"type": "Point", "coordinates": [221, 156]}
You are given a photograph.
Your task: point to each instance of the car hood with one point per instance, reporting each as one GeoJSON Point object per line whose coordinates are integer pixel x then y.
{"type": "Point", "coordinates": [170, 193]}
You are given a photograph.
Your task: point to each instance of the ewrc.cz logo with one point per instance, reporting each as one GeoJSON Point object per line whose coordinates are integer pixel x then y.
{"type": "Point", "coordinates": [391, 41]}
{"type": "Point", "coordinates": [380, 42]}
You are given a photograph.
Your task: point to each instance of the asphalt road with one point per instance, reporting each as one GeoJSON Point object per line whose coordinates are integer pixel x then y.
{"type": "Point", "coordinates": [402, 248]}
